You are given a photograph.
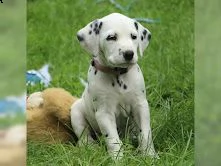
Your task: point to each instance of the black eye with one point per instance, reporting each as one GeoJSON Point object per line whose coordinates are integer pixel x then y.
{"type": "Point", "coordinates": [133, 36]}
{"type": "Point", "coordinates": [111, 37]}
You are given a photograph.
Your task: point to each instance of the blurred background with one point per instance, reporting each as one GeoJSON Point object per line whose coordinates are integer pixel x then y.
{"type": "Point", "coordinates": [12, 82]}
{"type": "Point", "coordinates": [207, 82]}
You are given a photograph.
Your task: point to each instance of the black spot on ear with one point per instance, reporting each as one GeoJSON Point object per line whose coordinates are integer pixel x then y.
{"type": "Point", "coordinates": [144, 32]}
{"type": "Point", "coordinates": [97, 27]}
{"type": "Point", "coordinates": [97, 32]}
{"type": "Point", "coordinates": [80, 38]}
{"type": "Point", "coordinates": [100, 25]}
{"type": "Point", "coordinates": [136, 26]}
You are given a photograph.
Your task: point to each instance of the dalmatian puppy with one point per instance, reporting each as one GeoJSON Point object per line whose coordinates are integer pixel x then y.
{"type": "Point", "coordinates": [116, 86]}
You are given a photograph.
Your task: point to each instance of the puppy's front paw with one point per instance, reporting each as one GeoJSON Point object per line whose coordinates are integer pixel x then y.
{"type": "Point", "coordinates": [35, 100]}
{"type": "Point", "coordinates": [116, 150]}
{"type": "Point", "coordinates": [150, 152]}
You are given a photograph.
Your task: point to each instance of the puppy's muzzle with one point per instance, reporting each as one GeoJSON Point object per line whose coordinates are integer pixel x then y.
{"type": "Point", "coordinates": [128, 55]}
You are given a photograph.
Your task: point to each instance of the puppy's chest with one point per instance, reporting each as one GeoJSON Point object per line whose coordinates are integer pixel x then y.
{"type": "Point", "coordinates": [111, 85]}
{"type": "Point", "coordinates": [108, 88]}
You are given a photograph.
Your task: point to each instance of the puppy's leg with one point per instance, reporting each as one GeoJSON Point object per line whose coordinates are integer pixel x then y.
{"type": "Point", "coordinates": [79, 123]}
{"type": "Point", "coordinates": [107, 123]}
{"type": "Point", "coordinates": [142, 119]}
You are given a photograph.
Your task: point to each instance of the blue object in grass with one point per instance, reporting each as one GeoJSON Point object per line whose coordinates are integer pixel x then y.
{"type": "Point", "coordinates": [148, 20]}
{"type": "Point", "coordinates": [41, 76]}
{"type": "Point", "coordinates": [11, 105]}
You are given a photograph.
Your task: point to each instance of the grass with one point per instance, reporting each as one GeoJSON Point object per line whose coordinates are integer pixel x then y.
{"type": "Point", "coordinates": [167, 65]}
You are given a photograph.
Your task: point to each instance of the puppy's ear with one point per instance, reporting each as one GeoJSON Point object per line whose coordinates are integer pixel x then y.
{"type": "Point", "coordinates": [144, 37]}
{"type": "Point", "coordinates": [89, 37]}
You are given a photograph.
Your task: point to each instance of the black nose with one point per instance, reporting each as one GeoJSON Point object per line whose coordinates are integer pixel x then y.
{"type": "Point", "coordinates": [128, 55]}
{"type": "Point", "coordinates": [80, 38]}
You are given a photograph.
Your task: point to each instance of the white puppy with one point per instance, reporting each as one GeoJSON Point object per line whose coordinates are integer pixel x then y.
{"type": "Point", "coordinates": [116, 86]}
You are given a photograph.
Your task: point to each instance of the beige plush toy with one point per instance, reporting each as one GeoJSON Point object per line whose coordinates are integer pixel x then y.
{"type": "Point", "coordinates": [48, 116]}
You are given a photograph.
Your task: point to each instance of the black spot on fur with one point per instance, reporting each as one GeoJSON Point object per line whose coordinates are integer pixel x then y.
{"type": "Point", "coordinates": [90, 32]}
{"type": "Point", "coordinates": [100, 25]}
{"type": "Point", "coordinates": [140, 130]}
{"type": "Point", "coordinates": [125, 86]}
{"type": "Point", "coordinates": [136, 26]}
{"type": "Point", "coordinates": [95, 72]}
{"type": "Point", "coordinates": [143, 91]}
{"type": "Point", "coordinates": [97, 27]}
{"type": "Point", "coordinates": [144, 32]}
{"type": "Point", "coordinates": [97, 32]}
{"type": "Point", "coordinates": [92, 63]}
{"type": "Point", "coordinates": [80, 38]}
{"type": "Point", "coordinates": [91, 25]}
{"type": "Point", "coordinates": [106, 135]}
{"type": "Point", "coordinates": [141, 38]}
{"type": "Point", "coordinates": [118, 81]}
{"type": "Point", "coordinates": [113, 84]}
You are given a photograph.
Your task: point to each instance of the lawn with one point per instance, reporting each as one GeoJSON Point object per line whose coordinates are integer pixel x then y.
{"type": "Point", "coordinates": [167, 65]}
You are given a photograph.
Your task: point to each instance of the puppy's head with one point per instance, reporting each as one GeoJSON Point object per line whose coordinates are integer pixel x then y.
{"type": "Point", "coordinates": [115, 38]}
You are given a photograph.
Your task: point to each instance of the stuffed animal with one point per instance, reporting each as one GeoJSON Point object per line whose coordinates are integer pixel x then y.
{"type": "Point", "coordinates": [48, 116]}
